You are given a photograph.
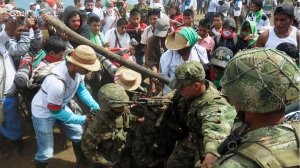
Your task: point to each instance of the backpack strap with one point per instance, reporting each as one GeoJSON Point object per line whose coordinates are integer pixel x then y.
{"type": "Point", "coordinates": [218, 38]}
{"type": "Point", "coordinates": [58, 77]}
{"type": "Point", "coordinates": [235, 40]}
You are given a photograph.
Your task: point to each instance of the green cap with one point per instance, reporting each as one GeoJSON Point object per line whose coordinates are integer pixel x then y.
{"type": "Point", "coordinates": [111, 91]}
{"type": "Point", "coordinates": [261, 80]}
{"type": "Point", "coordinates": [187, 73]}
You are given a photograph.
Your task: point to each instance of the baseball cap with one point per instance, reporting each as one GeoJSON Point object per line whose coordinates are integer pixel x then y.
{"type": "Point", "coordinates": [221, 56]}
{"type": "Point", "coordinates": [161, 27]}
{"type": "Point", "coordinates": [187, 73]}
{"type": "Point", "coordinates": [32, 3]}
{"type": "Point", "coordinates": [284, 8]}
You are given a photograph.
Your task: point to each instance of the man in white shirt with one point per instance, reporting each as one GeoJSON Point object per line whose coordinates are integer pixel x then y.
{"type": "Point", "coordinates": [257, 16]}
{"type": "Point", "coordinates": [118, 37]}
{"type": "Point", "coordinates": [182, 46]}
{"type": "Point", "coordinates": [223, 8]}
{"type": "Point", "coordinates": [212, 8]}
{"type": "Point", "coordinates": [97, 10]}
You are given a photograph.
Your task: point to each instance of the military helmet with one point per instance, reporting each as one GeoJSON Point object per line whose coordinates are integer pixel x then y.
{"type": "Point", "coordinates": [111, 91]}
{"type": "Point", "coordinates": [229, 22]}
{"type": "Point", "coordinates": [221, 56]}
{"type": "Point", "coordinates": [261, 80]}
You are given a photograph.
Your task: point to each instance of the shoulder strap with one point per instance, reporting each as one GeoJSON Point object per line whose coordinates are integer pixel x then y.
{"type": "Point", "coordinates": [218, 38]}
{"type": "Point", "coordinates": [201, 61]}
{"type": "Point", "coordinates": [117, 40]}
{"type": "Point", "coordinates": [59, 78]}
{"type": "Point", "coordinates": [296, 126]}
{"type": "Point", "coordinates": [235, 40]}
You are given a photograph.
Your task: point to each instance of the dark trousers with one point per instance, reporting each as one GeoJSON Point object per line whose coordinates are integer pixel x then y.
{"type": "Point", "coordinates": [210, 17]}
{"type": "Point", "coordinates": [199, 8]}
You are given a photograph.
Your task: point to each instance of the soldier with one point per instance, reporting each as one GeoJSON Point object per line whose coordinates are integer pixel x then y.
{"type": "Point", "coordinates": [261, 82]}
{"type": "Point", "coordinates": [122, 10]}
{"type": "Point", "coordinates": [209, 118]}
{"type": "Point", "coordinates": [143, 8]}
{"type": "Point", "coordinates": [104, 140]}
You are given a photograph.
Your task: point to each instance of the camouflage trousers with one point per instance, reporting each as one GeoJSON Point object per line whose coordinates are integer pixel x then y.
{"type": "Point", "coordinates": [184, 155]}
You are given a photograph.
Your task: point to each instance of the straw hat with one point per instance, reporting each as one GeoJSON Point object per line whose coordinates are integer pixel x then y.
{"type": "Point", "coordinates": [176, 41]}
{"type": "Point", "coordinates": [127, 78]}
{"type": "Point", "coordinates": [85, 57]}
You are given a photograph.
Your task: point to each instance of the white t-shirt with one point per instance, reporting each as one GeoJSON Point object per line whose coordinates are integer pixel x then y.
{"type": "Point", "coordinates": [147, 33]}
{"type": "Point", "coordinates": [124, 39]}
{"type": "Point", "coordinates": [98, 12]}
{"type": "Point", "coordinates": [238, 12]}
{"type": "Point", "coordinates": [56, 92]}
{"type": "Point", "coordinates": [10, 87]}
{"type": "Point", "coordinates": [111, 21]}
{"type": "Point", "coordinates": [171, 59]}
{"type": "Point", "coordinates": [261, 23]}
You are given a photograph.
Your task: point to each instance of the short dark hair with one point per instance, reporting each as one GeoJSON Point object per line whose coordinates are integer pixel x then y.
{"type": "Point", "coordinates": [188, 12]}
{"type": "Point", "coordinates": [154, 12]}
{"type": "Point", "coordinates": [21, 9]}
{"type": "Point", "coordinates": [94, 18]}
{"type": "Point", "coordinates": [88, 1]}
{"type": "Point", "coordinates": [204, 23]}
{"type": "Point", "coordinates": [134, 12]}
{"type": "Point", "coordinates": [258, 3]}
{"type": "Point", "coordinates": [76, 1]}
{"type": "Point", "coordinates": [55, 44]}
{"type": "Point", "coordinates": [83, 14]}
{"type": "Point", "coordinates": [219, 14]}
{"type": "Point", "coordinates": [289, 48]}
{"type": "Point", "coordinates": [246, 26]}
{"type": "Point", "coordinates": [7, 1]}
{"type": "Point", "coordinates": [121, 22]}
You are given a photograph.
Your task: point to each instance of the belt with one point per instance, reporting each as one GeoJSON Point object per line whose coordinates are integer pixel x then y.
{"type": "Point", "coordinates": [9, 95]}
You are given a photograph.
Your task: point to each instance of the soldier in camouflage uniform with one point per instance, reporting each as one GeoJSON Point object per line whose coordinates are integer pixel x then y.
{"type": "Point", "coordinates": [209, 118]}
{"type": "Point", "coordinates": [122, 10]}
{"type": "Point", "coordinates": [104, 140]}
{"type": "Point", "coordinates": [143, 8]}
{"type": "Point", "coordinates": [261, 82]}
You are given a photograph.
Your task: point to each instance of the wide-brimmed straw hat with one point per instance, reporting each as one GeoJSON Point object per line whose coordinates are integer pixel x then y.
{"type": "Point", "coordinates": [127, 78]}
{"type": "Point", "coordinates": [85, 57]}
{"type": "Point", "coordinates": [176, 41]}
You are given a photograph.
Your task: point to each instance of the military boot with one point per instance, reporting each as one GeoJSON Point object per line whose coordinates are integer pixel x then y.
{"type": "Point", "coordinates": [3, 154]}
{"type": "Point", "coordinates": [39, 164]}
{"type": "Point", "coordinates": [19, 150]}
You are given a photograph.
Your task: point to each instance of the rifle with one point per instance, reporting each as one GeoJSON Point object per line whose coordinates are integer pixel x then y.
{"type": "Point", "coordinates": [150, 102]}
{"type": "Point", "coordinates": [234, 139]}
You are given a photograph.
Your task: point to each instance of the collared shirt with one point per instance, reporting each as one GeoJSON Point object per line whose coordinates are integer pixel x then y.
{"type": "Point", "coordinates": [264, 21]}
{"type": "Point", "coordinates": [147, 33]}
{"type": "Point", "coordinates": [208, 43]}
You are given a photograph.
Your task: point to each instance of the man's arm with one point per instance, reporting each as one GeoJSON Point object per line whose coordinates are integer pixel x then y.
{"type": "Point", "coordinates": [262, 39]}
{"type": "Point", "coordinates": [86, 97]}
{"type": "Point", "coordinates": [21, 47]}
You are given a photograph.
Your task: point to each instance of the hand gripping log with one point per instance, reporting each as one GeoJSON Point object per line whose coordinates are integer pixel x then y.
{"type": "Point", "coordinates": [108, 54]}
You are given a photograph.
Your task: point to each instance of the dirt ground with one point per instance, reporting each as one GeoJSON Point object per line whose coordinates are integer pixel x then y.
{"type": "Point", "coordinates": [63, 158]}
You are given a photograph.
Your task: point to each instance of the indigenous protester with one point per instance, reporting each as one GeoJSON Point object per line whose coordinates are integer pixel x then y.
{"type": "Point", "coordinates": [118, 37]}
{"type": "Point", "coordinates": [104, 140]}
{"type": "Point", "coordinates": [110, 18]}
{"type": "Point", "coordinates": [282, 31]}
{"type": "Point", "coordinates": [217, 26]}
{"type": "Point", "coordinates": [211, 10]}
{"type": "Point", "coordinates": [182, 46]}
{"type": "Point", "coordinates": [248, 78]}
{"type": "Point", "coordinates": [176, 17]}
{"type": "Point", "coordinates": [257, 16]}
{"type": "Point", "coordinates": [209, 118]}
{"type": "Point", "coordinates": [135, 30]}
{"type": "Point", "coordinates": [95, 35]}
{"type": "Point", "coordinates": [206, 41]}
{"type": "Point", "coordinates": [237, 9]}
{"type": "Point", "coordinates": [268, 6]}
{"type": "Point", "coordinates": [11, 127]}
{"type": "Point", "coordinates": [228, 38]}
{"type": "Point", "coordinates": [98, 11]}
{"type": "Point", "coordinates": [78, 4]}
{"type": "Point", "coordinates": [160, 7]}
{"type": "Point", "coordinates": [220, 58]}
{"type": "Point", "coordinates": [248, 34]}
{"type": "Point", "coordinates": [188, 19]}
{"type": "Point", "coordinates": [156, 47]}
{"type": "Point", "coordinates": [153, 15]}
{"type": "Point", "coordinates": [49, 105]}
{"type": "Point", "coordinates": [88, 5]}
{"type": "Point", "coordinates": [143, 8]}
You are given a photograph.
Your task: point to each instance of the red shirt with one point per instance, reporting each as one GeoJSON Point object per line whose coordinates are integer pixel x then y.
{"type": "Point", "coordinates": [137, 35]}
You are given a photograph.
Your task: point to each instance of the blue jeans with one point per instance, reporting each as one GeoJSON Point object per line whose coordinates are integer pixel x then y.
{"type": "Point", "coordinates": [44, 134]}
{"type": "Point", "coordinates": [12, 128]}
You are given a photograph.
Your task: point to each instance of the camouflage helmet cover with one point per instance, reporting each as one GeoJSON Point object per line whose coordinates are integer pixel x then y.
{"type": "Point", "coordinates": [221, 56]}
{"type": "Point", "coordinates": [111, 91]}
{"type": "Point", "coordinates": [261, 80]}
{"type": "Point", "coordinates": [187, 73]}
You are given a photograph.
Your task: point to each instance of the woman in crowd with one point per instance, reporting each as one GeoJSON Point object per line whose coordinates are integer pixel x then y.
{"type": "Point", "coordinates": [248, 34]}
{"type": "Point", "coordinates": [176, 17]}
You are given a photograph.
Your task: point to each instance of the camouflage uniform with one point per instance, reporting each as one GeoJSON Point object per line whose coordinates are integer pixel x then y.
{"type": "Point", "coordinates": [209, 118]}
{"type": "Point", "coordinates": [270, 81]}
{"type": "Point", "coordinates": [104, 140]}
{"type": "Point", "coordinates": [144, 12]}
{"type": "Point", "coordinates": [122, 10]}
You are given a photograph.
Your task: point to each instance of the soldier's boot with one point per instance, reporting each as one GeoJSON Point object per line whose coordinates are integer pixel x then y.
{"type": "Point", "coordinates": [3, 154]}
{"type": "Point", "coordinates": [78, 153]}
{"type": "Point", "coordinates": [19, 149]}
{"type": "Point", "coordinates": [39, 164]}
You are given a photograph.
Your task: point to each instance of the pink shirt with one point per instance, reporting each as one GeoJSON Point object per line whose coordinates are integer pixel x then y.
{"type": "Point", "coordinates": [207, 43]}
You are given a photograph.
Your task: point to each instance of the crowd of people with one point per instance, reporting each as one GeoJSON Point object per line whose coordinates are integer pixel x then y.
{"type": "Point", "coordinates": [226, 73]}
